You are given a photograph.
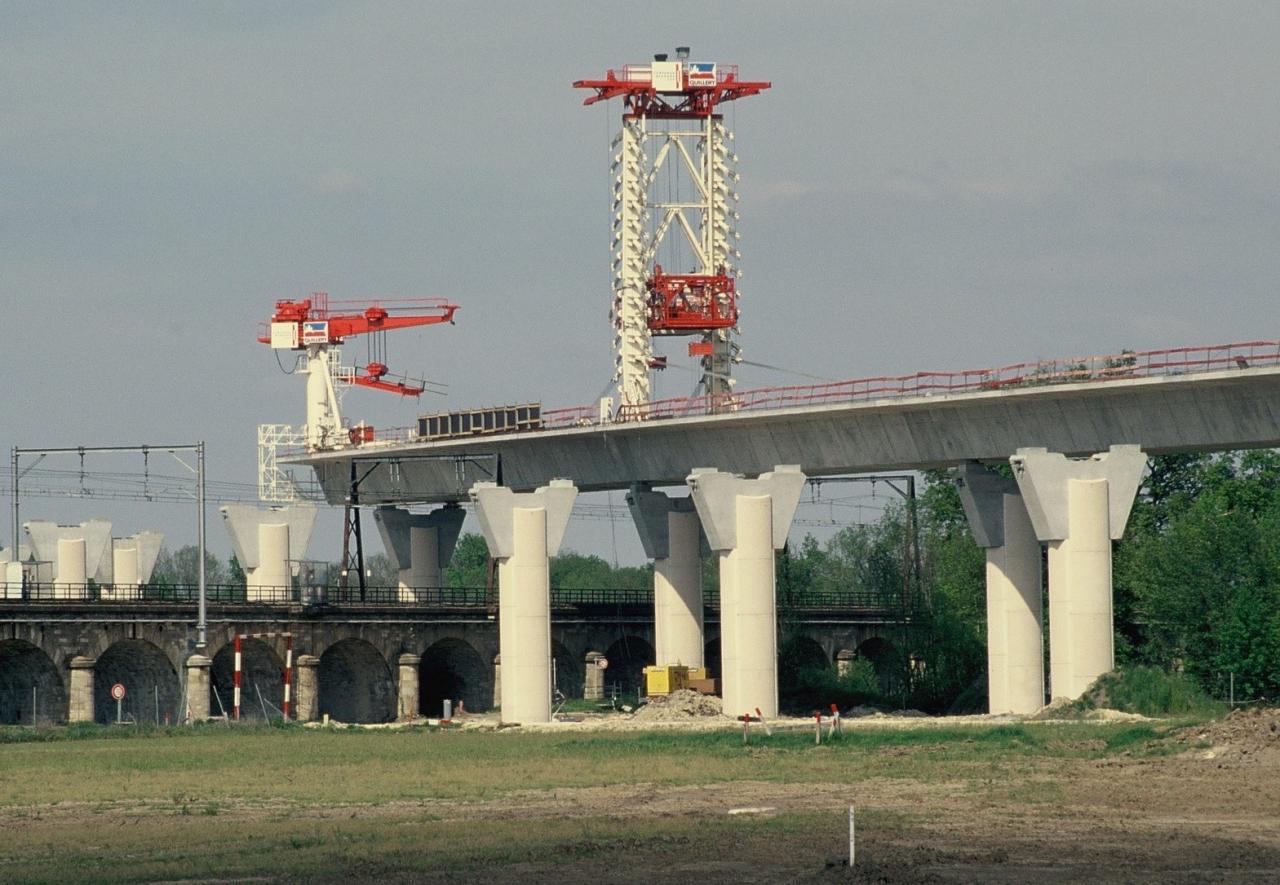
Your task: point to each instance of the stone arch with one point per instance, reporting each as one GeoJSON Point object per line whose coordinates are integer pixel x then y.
{"type": "Point", "coordinates": [261, 672]}
{"type": "Point", "coordinates": [355, 683]}
{"type": "Point", "coordinates": [31, 690]}
{"type": "Point", "coordinates": [800, 658]}
{"type": "Point", "coordinates": [711, 658]}
{"type": "Point", "coordinates": [886, 657]}
{"type": "Point", "coordinates": [569, 676]}
{"type": "Point", "coordinates": [453, 669]}
{"type": "Point", "coordinates": [627, 659]}
{"type": "Point", "coordinates": [152, 690]}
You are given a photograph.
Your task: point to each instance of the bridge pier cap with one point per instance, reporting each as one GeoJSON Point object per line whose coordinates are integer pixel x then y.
{"type": "Point", "coordinates": [496, 506]}
{"type": "Point", "coordinates": [1043, 478]}
{"type": "Point", "coordinates": [650, 511]}
{"type": "Point", "coordinates": [395, 524]}
{"type": "Point", "coordinates": [715, 495]}
{"type": "Point", "coordinates": [242, 522]}
{"type": "Point", "coordinates": [94, 533]}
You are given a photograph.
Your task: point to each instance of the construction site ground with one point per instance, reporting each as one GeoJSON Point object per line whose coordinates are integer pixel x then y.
{"type": "Point", "coordinates": [616, 799]}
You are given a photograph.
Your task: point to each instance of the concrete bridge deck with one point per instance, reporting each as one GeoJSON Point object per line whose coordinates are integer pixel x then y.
{"type": "Point", "coordinates": [1227, 400]}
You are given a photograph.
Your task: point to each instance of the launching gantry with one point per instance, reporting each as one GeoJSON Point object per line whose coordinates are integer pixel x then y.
{"type": "Point", "coordinates": [670, 125]}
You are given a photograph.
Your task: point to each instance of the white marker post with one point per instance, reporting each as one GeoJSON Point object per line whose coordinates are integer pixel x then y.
{"type": "Point", "coordinates": [851, 837]}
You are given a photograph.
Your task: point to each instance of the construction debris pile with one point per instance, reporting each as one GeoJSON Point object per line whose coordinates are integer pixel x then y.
{"type": "Point", "coordinates": [1247, 736]}
{"type": "Point", "coordinates": [679, 705]}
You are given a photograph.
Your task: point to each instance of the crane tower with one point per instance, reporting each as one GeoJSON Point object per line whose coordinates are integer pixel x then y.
{"type": "Point", "coordinates": [316, 327]}
{"type": "Point", "coordinates": [673, 202]}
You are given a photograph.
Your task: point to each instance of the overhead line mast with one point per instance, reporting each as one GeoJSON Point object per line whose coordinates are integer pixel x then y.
{"type": "Point", "coordinates": [670, 122]}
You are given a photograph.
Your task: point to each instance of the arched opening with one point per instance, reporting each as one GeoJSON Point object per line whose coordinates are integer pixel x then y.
{"type": "Point", "coordinates": [31, 692]}
{"type": "Point", "coordinates": [261, 681]}
{"type": "Point", "coordinates": [152, 692]}
{"type": "Point", "coordinates": [711, 658]}
{"type": "Point", "coordinates": [569, 675]}
{"type": "Point", "coordinates": [627, 659]}
{"type": "Point", "coordinates": [355, 683]}
{"type": "Point", "coordinates": [886, 657]}
{"type": "Point", "coordinates": [451, 669]}
{"type": "Point", "coordinates": [805, 675]}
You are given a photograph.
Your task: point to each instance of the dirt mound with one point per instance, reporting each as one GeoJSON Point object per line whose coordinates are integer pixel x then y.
{"type": "Point", "coordinates": [1251, 736]}
{"type": "Point", "coordinates": [682, 704]}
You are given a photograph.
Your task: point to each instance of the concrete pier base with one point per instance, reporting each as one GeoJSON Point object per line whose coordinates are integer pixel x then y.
{"type": "Point", "coordinates": [419, 545]}
{"type": "Point", "coordinates": [672, 537]}
{"type": "Point", "coordinates": [198, 670]}
{"type": "Point", "coordinates": [308, 707]}
{"type": "Point", "coordinates": [1078, 507]}
{"type": "Point", "coordinates": [522, 532]}
{"type": "Point", "coordinates": [1015, 650]}
{"type": "Point", "coordinates": [408, 696]}
{"type": "Point", "coordinates": [81, 706]}
{"type": "Point", "coordinates": [746, 520]}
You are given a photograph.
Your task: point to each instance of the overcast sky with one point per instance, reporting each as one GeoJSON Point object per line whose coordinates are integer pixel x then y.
{"type": "Point", "coordinates": [926, 186]}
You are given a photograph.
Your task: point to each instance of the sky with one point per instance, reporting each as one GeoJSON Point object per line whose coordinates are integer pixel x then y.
{"type": "Point", "coordinates": [925, 186]}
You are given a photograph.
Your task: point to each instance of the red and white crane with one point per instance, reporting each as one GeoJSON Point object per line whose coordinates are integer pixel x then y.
{"type": "Point", "coordinates": [316, 327]}
{"type": "Point", "coordinates": [673, 170]}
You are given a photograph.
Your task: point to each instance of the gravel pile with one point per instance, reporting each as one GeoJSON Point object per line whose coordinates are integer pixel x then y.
{"type": "Point", "coordinates": [678, 705]}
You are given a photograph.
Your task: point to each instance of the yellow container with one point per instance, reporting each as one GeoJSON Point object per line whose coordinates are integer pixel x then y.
{"type": "Point", "coordinates": [698, 673]}
{"type": "Point", "coordinates": [664, 680]}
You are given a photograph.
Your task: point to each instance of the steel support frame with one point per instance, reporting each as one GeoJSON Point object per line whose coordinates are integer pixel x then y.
{"type": "Point", "coordinates": [709, 238]}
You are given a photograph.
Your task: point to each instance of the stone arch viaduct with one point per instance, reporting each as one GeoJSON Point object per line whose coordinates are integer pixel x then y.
{"type": "Point", "coordinates": [360, 663]}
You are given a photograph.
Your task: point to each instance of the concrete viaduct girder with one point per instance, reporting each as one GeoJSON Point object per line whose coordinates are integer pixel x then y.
{"type": "Point", "coordinates": [1203, 411]}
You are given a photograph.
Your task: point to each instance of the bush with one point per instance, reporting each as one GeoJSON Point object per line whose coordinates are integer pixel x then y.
{"type": "Point", "coordinates": [817, 688]}
{"type": "Point", "coordinates": [1149, 691]}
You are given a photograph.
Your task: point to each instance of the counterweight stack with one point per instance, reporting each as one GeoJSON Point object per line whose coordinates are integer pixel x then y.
{"type": "Point", "coordinates": [673, 174]}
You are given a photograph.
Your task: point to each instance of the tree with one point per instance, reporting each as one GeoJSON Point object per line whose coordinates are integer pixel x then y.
{"type": "Point", "coordinates": [181, 568]}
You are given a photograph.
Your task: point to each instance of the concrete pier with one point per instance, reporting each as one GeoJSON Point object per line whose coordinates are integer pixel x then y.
{"type": "Point", "coordinates": [76, 551]}
{"type": "Point", "coordinates": [419, 545]}
{"type": "Point", "coordinates": [198, 668]}
{"type": "Point", "coordinates": [522, 532]}
{"type": "Point", "coordinates": [81, 706]}
{"type": "Point", "coordinates": [408, 696]}
{"type": "Point", "coordinates": [999, 522]}
{"type": "Point", "coordinates": [672, 537]}
{"type": "Point", "coordinates": [269, 544]}
{"type": "Point", "coordinates": [746, 520]}
{"type": "Point", "coordinates": [308, 709]}
{"type": "Point", "coordinates": [1078, 507]}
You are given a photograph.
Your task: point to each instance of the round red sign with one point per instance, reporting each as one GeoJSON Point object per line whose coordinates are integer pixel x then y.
{"type": "Point", "coordinates": [117, 691]}
{"type": "Point", "coordinates": [602, 663]}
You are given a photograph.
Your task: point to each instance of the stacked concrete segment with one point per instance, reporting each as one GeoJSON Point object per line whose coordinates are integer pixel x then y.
{"type": "Point", "coordinates": [522, 532]}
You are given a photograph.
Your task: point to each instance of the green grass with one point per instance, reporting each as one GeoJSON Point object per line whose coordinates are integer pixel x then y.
{"type": "Point", "coordinates": [106, 804]}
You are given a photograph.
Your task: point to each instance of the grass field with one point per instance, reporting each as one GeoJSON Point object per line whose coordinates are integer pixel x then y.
{"type": "Point", "coordinates": [294, 804]}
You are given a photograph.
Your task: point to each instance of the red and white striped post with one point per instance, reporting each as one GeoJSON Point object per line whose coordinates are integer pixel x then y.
{"type": "Point", "coordinates": [288, 669]}
{"type": "Point", "coordinates": [235, 689]}
{"type": "Point", "coordinates": [288, 673]}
